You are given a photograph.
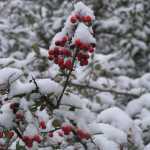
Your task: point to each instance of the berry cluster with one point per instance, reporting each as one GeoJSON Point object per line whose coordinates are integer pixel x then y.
{"type": "Point", "coordinates": [28, 140]}
{"type": "Point", "coordinates": [61, 55]}
{"type": "Point", "coordinates": [84, 50]}
{"type": "Point", "coordinates": [77, 18]}
{"type": "Point", "coordinates": [67, 129]}
{"type": "Point", "coordinates": [7, 134]}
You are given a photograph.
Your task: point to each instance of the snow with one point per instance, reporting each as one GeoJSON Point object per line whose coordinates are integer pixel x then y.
{"type": "Point", "coordinates": [120, 64]}
{"type": "Point", "coordinates": [105, 144]}
{"type": "Point", "coordinates": [6, 116]}
{"type": "Point", "coordinates": [31, 130]}
{"type": "Point", "coordinates": [139, 104]}
{"type": "Point", "coordinates": [106, 98]}
{"type": "Point", "coordinates": [82, 32]}
{"type": "Point", "coordinates": [46, 86]}
{"type": "Point", "coordinates": [8, 75]}
{"type": "Point", "coordinates": [83, 10]}
{"type": "Point", "coordinates": [111, 116]}
{"type": "Point", "coordinates": [109, 132]}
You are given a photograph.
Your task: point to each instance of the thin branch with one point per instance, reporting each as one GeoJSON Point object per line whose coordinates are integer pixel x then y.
{"type": "Point", "coordinates": [104, 89]}
{"type": "Point", "coordinates": [94, 143]}
{"type": "Point", "coordinates": [45, 98]}
{"type": "Point", "coordinates": [67, 79]}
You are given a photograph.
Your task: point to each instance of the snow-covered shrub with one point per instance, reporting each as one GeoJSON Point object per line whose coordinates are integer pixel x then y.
{"type": "Point", "coordinates": [70, 97]}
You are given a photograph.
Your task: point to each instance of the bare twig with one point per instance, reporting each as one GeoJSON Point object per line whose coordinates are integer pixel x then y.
{"type": "Point", "coordinates": [104, 89]}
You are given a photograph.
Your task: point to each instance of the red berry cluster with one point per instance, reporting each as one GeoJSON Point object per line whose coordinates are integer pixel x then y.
{"type": "Point", "coordinates": [61, 55]}
{"type": "Point", "coordinates": [86, 19]}
{"type": "Point", "coordinates": [7, 134]}
{"type": "Point", "coordinates": [84, 50]}
{"type": "Point", "coordinates": [28, 140]}
{"type": "Point", "coordinates": [67, 129]}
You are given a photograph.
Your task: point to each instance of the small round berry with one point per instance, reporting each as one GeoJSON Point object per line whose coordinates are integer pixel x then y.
{"type": "Point", "coordinates": [91, 49]}
{"type": "Point", "coordinates": [67, 129]}
{"type": "Point", "coordinates": [73, 19]}
{"type": "Point", "coordinates": [67, 53]}
{"type": "Point", "coordinates": [82, 135]}
{"type": "Point", "coordinates": [78, 43]}
{"type": "Point", "coordinates": [87, 19]}
{"type": "Point", "coordinates": [78, 16]}
{"type": "Point", "coordinates": [50, 134]}
{"type": "Point", "coordinates": [83, 46]}
{"type": "Point", "coordinates": [60, 61]}
{"type": "Point", "coordinates": [65, 39]}
{"type": "Point", "coordinates": [84, 62]}
{"type": "Point", "coordinates": [51, 52]}
{"type": "Point", "coordinates": [28, 141]}
{"type": "Point", "coordinates": [14, 105]}
{"type": "Point", "coordinates": [58, 43]}
{"type": "Point", "coordinates": [56, 51]}
{"type": "Point", "coordinates": [62, 66]}
{"type": "Point", "coordinates": [68, 64]}
{"type": "Point", "coordinates": [42, 125]}
{"type": "Point", "coordinates": [19, 116]}
{"type": "Point", "coordinates": [37, 138]}
{"type": "Point", "coordinates": [93, 45]}
{"type": "Point", "coordinates": [50, 57]}
{"type": "Point", "coordinates": [56, 60]}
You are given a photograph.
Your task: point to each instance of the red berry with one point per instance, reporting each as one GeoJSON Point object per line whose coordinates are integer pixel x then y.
{"type": "Point", "coordinates": [78, 42]}
{"type": "Point", "coordinates": [82, 135]}
{"type": "Point", "coordinates": [65, 39]}
{"type": "Point", "coordinates": [84, 62]}
{"type": "Point", "coordinates": [56, 51]}
{"type": "Point", "coordinates": [83, 46]}
{"type": "Point", "coordinates": [1, 134]}
{"type": "Point", "coordinates": [66, 52]}
{"type": "Point", "coordinates": [87, 19]}
{"type": "Point", "coordinates": [51, 52]}
{"type": "Point", "coordinates": [93, 45]}
{"type": "Point", "coordinates": [78, 17]}
{"type": "Point", "coordinates": [58, 43]}
{"type": "Point", "coordinates": [56, 60]}
{"type": "Point", "coordinates": [62, 66]}
{"type": "Point", "coordinates": [91, 49]}
{"type": "Point", "coordinates": [37, 138]}
{"type": "Point", "coordinates": [42, 125]}
{"type": "Point", "coordinates": [9, 134]}
{"type": "Point", "coordinates": [67, 129]}
{"type": "Point", "coordinates": [68, 64]}
{"type": "Point", "coordinates": [73, 19]}
{"type": "Point", "coordinates": [14, 105]}
{"type": "Point", "coordinates": [25, 138]}
{"type": "Point", "coordinates": [29, 144]}
{"type": "Point", "coordinates": [86, 56]}
{"type": "Point", "coordinates": [50, 57]}
{"type": "Point", "coordinates": [19, 116]}
{"type": "Point", "coordinates": [28, 141]}
{"type": "Point", "coordinates": [60, 61]}
{"type": "Point", "coordinates": [50, 134]}
{"type": "Point", "coordinates": [79, 56]}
